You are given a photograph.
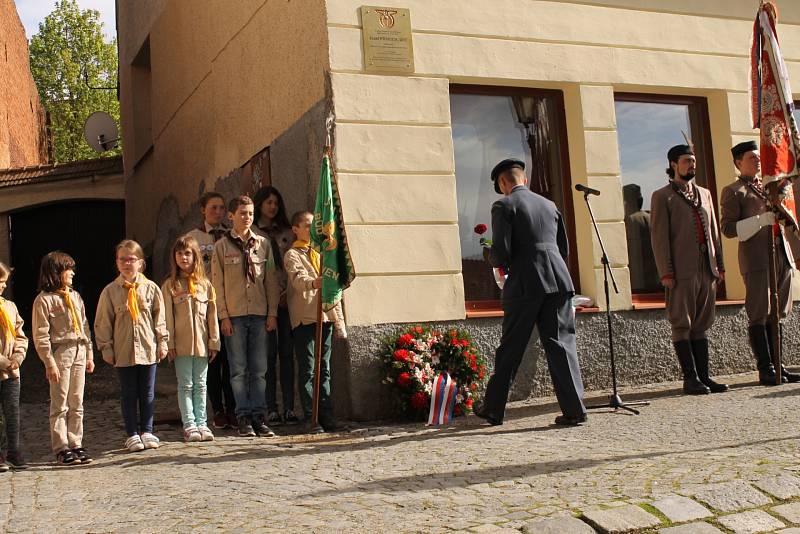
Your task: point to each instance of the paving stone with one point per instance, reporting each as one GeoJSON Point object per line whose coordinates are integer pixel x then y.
{"type": "Point", "coordinates": [691, 528]}
{"type": "Point", "coordinates": [782, 486]}
{"type": "Point", "coordinates": [622, 519]}
{"type": "Point", "coordinates": [732, 496]}
{"type": "Point", "coordinates": [560, 525]}
{"type": "Point", "coordinates": [680, 509]}
{"type": "Point", "coordinates": [793, 530]}
{"type": "Point", "coordinates": [791, 511]}
{"type": "Point", "coordinates": [750, 522]}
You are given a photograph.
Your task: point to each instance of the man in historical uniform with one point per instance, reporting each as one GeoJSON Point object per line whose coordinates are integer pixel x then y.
{"type": "Point", "coordinates": [747, 217]}
{"type": "Point", "coordinates": [688, 255]}
{"type": "Point", "coordinates": [530, 242]}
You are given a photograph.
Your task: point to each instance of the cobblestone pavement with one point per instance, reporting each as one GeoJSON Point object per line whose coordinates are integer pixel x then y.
{"type": "Point", "coordinates": [727, 460]}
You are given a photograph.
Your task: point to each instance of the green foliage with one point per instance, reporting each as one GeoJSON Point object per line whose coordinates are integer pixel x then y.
{"type": "Point", "coordinates": [69, 45]}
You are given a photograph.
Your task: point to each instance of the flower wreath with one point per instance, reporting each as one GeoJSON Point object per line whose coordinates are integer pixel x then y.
{"type": "Point", "coordinates": [414, 357]}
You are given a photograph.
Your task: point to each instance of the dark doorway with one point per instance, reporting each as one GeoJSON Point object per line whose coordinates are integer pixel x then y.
{"type": "Point", "coordinates": [87, 230]}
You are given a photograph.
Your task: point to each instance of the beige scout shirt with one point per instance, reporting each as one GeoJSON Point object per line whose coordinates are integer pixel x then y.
{"type": "Point", "coordinates": [302, 295]}
{"type": "Point", "coordinates": [122, 342]}
{"type": "Point", "coordinates": [206, 241]}
{"type": "Point", "coordinates": [191, 320]}
{"type": "Point", "coordinates": [52, 325]}
{"type": "Point", "coordinates": [15, 348]}
{"type": "Point", "coordinates": [236, 296]}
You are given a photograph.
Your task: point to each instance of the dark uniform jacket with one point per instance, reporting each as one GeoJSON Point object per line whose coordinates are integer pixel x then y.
{"type": "Point", "coordinates": [530, 240]}
{"type": "Point", "coordinates": [674, 234]}
{"type": "Point", "coordinates": [740, 202]}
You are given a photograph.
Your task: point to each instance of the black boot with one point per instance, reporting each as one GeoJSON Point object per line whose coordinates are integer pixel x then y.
{"type": "Point", "coordinates": [786, 375]}
{"type": "Point", "coordinates": [759, 342]}
{"type": "Point", "coordinates": [700, 352]}
{"type": "Point", "coordinates": [691, 382]}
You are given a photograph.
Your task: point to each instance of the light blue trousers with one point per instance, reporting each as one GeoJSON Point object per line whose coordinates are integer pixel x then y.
{"type": "Point", "coordinates": [192, 372]}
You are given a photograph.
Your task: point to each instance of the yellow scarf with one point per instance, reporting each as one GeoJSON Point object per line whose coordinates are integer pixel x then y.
{"type": "Point", "coordinates": [5, 322]}
{"type": "Point", "coordinates": [76, 323]}
{"type": "Point", "coordinates": [313, 254]}
{"type": "Point", "coordinates": [133, 300]}
{"type": "Point", "coordinates": [191, 283]}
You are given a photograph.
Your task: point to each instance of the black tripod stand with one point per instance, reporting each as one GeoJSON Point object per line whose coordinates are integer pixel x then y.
{"type": "Point", "coordinates": [614, 400]}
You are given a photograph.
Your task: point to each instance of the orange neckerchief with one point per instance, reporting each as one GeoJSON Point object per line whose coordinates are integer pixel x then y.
{"type": "Point", "coordinates": [313, 254]}
{"type": "Point", "coordinates": [133, 300]}
{"type": "Point", "coordinates": [76, 323]}
{"type": "Point", "coordinates": [5, 322]}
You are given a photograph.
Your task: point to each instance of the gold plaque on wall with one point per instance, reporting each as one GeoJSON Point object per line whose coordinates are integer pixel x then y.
{"type": "Point", "coordinates": [387, 40]}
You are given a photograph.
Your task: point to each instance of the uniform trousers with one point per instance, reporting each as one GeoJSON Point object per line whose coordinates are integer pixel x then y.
{"type": "Point", "coordinates": [553, 315]}
{"type": "Point", "coordinates": [691, 304]}
{"type": "Point", "coordinates": [66, 397]}
{"type": "Point", "coordinates": [757, 299]}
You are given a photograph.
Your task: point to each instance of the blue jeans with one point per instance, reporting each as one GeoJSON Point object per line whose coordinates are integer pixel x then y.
{"type": "Point", "coordinates": [137, 389]}
{"type": "Point", "coordinates": [191, 372]}
{"type": "Point", "coordinates": [247, 357]}
{"type": "Point", "coordinates": [9, 400]}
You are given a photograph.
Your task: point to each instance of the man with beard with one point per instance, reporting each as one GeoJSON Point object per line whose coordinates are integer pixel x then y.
{"type": "Point", "coordinates": [688, 255]}
{"type": "Point", "coordinates": [747, 216]}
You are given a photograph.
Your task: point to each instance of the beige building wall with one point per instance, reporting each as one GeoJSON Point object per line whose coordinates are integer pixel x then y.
{"type": "Point", "coordinates": [394, 152]}
{"type": "Point", "coordinates": [204, 87]}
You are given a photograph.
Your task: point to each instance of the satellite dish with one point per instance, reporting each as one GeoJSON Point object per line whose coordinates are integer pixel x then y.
{"type": "Point", "coordinates": [100, 131]}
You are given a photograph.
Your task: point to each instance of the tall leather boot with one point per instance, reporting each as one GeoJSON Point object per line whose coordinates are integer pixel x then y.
{"type": "Point", "coordinates": [786, 375]}
{"type": "Point", "coordinates": [691, 382]}
{"type": "Point", "coordinates": [700, 352]}
{"type": "Point", "coordinates": [759, 342]}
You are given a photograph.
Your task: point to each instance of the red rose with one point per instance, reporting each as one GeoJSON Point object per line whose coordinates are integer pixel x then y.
{"type": "Point", "coordinates": [469, 403]}
{"type": "Point", "coordinates": [473, 365]}
{"type": "Point", "coordinates": [405, 340]}
{"type": "Point", "coordinates": [403, 380]}
{"type": "Point", "coordinates": [480, 229]}
{"type": "Point", "coordinates": [473, 386]}
{"type": "Point", "coordinates": [418, 329]}
{"type": "Point", "coordinates": [401, 355]}
{"type": "Point", "coordinates": [419, 400]}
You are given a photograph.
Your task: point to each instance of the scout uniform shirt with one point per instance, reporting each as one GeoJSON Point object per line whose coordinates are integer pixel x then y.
{"type": "Point", "coordinates": [245, 285]}
{"type": "Point", "coordinates": [191, 318]}
{"type": "Point", "coordinates": [302, 296]}
{"type": "Point", "coordinates": [13, 343]}
{"type": "Point", "coordinates": [59, 326]}
{"type": "Point", "coordinates": [206, 235]}
{"type": "Point", "coordinates": [124, 340]}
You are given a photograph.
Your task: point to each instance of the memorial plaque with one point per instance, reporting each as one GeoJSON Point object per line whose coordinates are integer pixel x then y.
{"type": "Point", "coordinates": [387, 40]}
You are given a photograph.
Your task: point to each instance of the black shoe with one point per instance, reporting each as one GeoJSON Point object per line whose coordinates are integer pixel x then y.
{"type": "Point", "coordinates": [261, 427]}
{"type": "Point", "coordinates": [570, 420]}
{"type": "Point", "coordinates": [82, 456]}
{"type": "Point", "coordinates": [758, 335]}
{"type": "Point", "coordinates": [332, 425]}
{"type": "Point", "coordinates": [290, 418]}
{"type": "Point", "coordinates": [491, 419]}
{"type": "Point", "coordinates": [274, 418]}
{"type": "Point", "coordinates": [66, 457]}
{"type": "Point", "coordinates": [691, 382]}
{"type": "Point", "coordinates": [788, 376]}
{"type": "Point", "coordinates": [16, 461]}
{"type": "Point", "coordinates": [245, 428]}
{"type": "Point", "coordinates": [700, 352]}
{"type": "Point", "coordinates": [315, 429]}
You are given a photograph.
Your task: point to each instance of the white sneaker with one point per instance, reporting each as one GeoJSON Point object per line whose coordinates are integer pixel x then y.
{"type": "Point", "coordinates": [191, 434]}
{"type": "Point", "coordinates": [134, 444]}
{"type": "Point", "coordinates": [150, 441]}
{"type": "Point", "coordinates": [205, 433]}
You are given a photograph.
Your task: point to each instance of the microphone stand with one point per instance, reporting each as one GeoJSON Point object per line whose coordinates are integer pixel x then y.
{"type": "Point", "coordinates": [614, 401]}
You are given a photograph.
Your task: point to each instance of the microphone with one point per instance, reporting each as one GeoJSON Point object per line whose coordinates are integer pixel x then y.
{"type": "Point", "coordinates": [586, 190]}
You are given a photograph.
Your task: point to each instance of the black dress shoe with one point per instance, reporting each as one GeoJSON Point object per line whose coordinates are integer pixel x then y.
{"type": "Point", "coordinates": [788, 376]}
{"type": "Point", "coordinates": [491, 419]}
{"type": "Point", "coordinates": [570, 420]}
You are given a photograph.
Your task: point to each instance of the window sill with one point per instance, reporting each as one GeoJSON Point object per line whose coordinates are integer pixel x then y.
{"type": "Point", "coordinates": [487, 312]}
{"type": "Point", "coordinates": [650, 305]}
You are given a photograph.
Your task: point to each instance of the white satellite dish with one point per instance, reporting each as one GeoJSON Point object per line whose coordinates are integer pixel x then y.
{"type": "Point", "coordinates": [100, 131]}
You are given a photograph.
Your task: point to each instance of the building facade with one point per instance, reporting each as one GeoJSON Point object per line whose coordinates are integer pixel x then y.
{"type": "Point", "coordinates": [229, 96]}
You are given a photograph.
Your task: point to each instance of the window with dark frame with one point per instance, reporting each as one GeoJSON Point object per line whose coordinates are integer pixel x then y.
{"type": "Point", "coordinates": [647, 126]}
{"type": "Point", "coordinates": [490, 124]}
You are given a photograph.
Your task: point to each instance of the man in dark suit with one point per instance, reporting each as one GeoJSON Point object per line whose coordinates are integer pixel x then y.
{"type": "Point", "coordinates": [530, 242]}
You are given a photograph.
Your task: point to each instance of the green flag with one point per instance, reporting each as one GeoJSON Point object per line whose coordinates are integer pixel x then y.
{"type": "Point", "coordinates": [329, 238]}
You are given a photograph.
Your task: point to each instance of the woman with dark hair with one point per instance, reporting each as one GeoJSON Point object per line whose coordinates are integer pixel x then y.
{"type": "Point", "coordinates": [272, 222]}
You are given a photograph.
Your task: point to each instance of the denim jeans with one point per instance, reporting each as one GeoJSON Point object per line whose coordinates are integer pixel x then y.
{"type": "Point", "coordinates": [137, 389]}
{"type": "Point", "coordinates": [9, 398]}
{"type": "Point", "coordinates": [191, 372]}
{"type": "Point", "coordinates": [280, 351]}
{"type": "Point", "coordinates": [247, 357]}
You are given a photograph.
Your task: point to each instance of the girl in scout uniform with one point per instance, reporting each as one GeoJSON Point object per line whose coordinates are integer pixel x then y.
{"type": "Point", "coordinates": [63, 341]}
{"type": "Point", "coordinates": [13, 345]}
{"type": "Point", "coordinates": [191, 313]}
{"type": "Point", "coordinates": [131, 332]}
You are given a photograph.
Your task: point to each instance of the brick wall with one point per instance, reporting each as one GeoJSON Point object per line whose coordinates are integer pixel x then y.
{"type": "Point", "coordinates": [22, 129]}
